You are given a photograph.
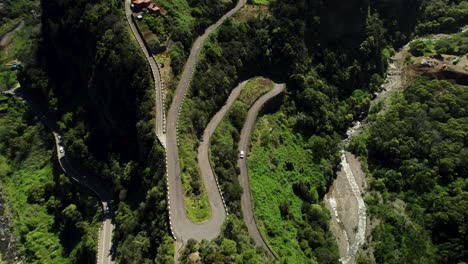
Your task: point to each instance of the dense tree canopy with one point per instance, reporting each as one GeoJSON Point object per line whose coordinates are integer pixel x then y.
{"type": "Point", "coordinates": [417, 154]}
{"type": "Point", "coordinates": [331, 54]}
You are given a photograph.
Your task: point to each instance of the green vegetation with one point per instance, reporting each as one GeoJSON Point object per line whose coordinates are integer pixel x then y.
{"type": "Point", "coordinates": [55, 221]}
{"type": "Point", "coordinates": [93, 75]}
{"type": "Point", "coordinates": [21, 45]}
{"type": "Point", "coordinates": [7, 78]}
{"type": "Point", "coordinates": [417, 156]}
{"type": "Point", "coordinates": [421, 47]}
{"type": "Point", "coordinates": [260, 2]}
{"type": "Point", "coordinates": [232, 246]}
{"type": "Point", "coordinates": [153, 40]}
{"type": "Point", "coordinates": [456, 44]}
{"type": "Point", "coordinates": [179, 12]}
{"type": "Point", "coordinates": [253, 89]}
{"type": "Point", "coordinates": [225, 139]}
{"type": "Point", "coordinates": [286, 185]}
{"type": "Point", "coordinates": [331, 55]}
{"type": "Point", "coordinates": [8, 25]}
{"type": "Point", "coordinates": [182, 21]}
{"type": "Point", "coordinates": [442, 16]}
{"type": "Point", "coordinates": [196, 199]}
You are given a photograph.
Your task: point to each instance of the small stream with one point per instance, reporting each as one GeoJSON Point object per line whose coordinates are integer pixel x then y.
{"type": "Point", "coordinates": [360, 235]}
{"type": "Point", "coordinates": [345, 197]}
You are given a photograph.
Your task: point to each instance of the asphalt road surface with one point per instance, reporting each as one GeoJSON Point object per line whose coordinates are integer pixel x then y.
{"type": "Point", "coordinates": [78, 174]}
{"type": "Point", "coordinates": [183, 228]}
{"type": "Point", "coordinates": [160, 118]}
{"type": "Point", "coordinates": [246, 199]}
{"type": "Point", "coordinates": [203, 150]}
{"type": "Point", "coordinates": [105, 242]}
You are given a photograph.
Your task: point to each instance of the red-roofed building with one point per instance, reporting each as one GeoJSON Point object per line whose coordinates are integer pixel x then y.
{"type": "Point", "coordinates": [153, 8]}
{"type": "Point", "coordinates": [139, 4]}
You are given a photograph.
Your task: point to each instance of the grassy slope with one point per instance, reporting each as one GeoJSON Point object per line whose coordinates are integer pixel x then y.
{"type": "Point", "coordinates": [180, 10]}
{"type": "Point", "coordinates": [32, 222]}
{"type": "Point", "coordinates": [38, 197]}
{"type": "Point", "coordinates": [198, 209]}
{"type": "Point", "coordinates": [223, 140]}
{"type": "Point", "coordinates": [276, 160]}
{"type": "Point", "coordinates": [255, 88]}
{"type": "Point", "coordinates": [261, 2]}
{"type": "Point", "coordinates": [197, 206]}
{"type": "Point", "coordinates": [20, 44]}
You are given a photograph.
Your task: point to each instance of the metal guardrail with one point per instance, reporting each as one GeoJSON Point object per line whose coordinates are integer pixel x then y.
{"type": "Point", "coordinates": [143, 48]}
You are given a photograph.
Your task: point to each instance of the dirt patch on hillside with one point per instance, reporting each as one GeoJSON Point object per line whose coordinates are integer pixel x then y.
{"type": "Point", "coordinates": [440, 68]}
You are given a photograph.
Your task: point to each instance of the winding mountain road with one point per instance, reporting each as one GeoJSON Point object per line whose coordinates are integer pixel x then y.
{"type": "Point", "coordinates": [182, 227]}
{"type": "Point", "coordinates": [155, 71]}
{"type": "Point", "coordinates": [246, 199]}
{"type": "Point", "coordinates": [203, 150]}
{"type": "Point", "coordinates": [78, 174]}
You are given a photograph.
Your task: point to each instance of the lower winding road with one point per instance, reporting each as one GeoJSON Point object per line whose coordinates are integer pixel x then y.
{"type": "Point", "coordinates": [246, 199]}
{"type": "Point", "coordinates": [203, 150]}
{"type": "Point", "coordinates": [78, 174]}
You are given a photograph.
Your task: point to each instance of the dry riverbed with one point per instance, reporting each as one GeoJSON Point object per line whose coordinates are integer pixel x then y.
{"type": "Point", "coordinates": [344, 200]}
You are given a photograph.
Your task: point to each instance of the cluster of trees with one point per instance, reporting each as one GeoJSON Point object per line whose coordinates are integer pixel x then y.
{"type": "Point", "coordinates": [234, 245]}
{"type": "Point", "coordinates": [89, 71]}
{"type": "Point", "coordinates": [315, 240]}
{"type": "Point", "coordinates": [420, 47]}
{"type": "Point", "coordinates": [86, 69]}
{"type": "Point", "coordinates": [183, 22]}
{"type": "Point", "coordinates": [456, 44]}
{"type": "Point", "coordinates": [417, 154]}
{"type": "Point", "coordinates": [55, 220]}
{"type": "Point", "coordinates": [441, 16]}
{"type": "Point", "coordinates": [14, 9]}
{"type": "Point", "coordinates": [224, 155]}
{"type": "Point", "coordinates": [332, 56]}
{"type": "Point", "coordinates": [206, 12]}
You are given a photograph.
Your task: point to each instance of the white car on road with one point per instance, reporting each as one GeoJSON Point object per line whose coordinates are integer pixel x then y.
{"type": "Point", "coordinates": [242, 154]}
{"type": "Point", "coordinates": [61, 149]}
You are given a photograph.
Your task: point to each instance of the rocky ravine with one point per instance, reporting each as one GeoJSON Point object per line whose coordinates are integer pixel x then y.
{"type": "Point", "coordinates": [8, 244]}
{"type": "Point", "coordinates": [345, 200]}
